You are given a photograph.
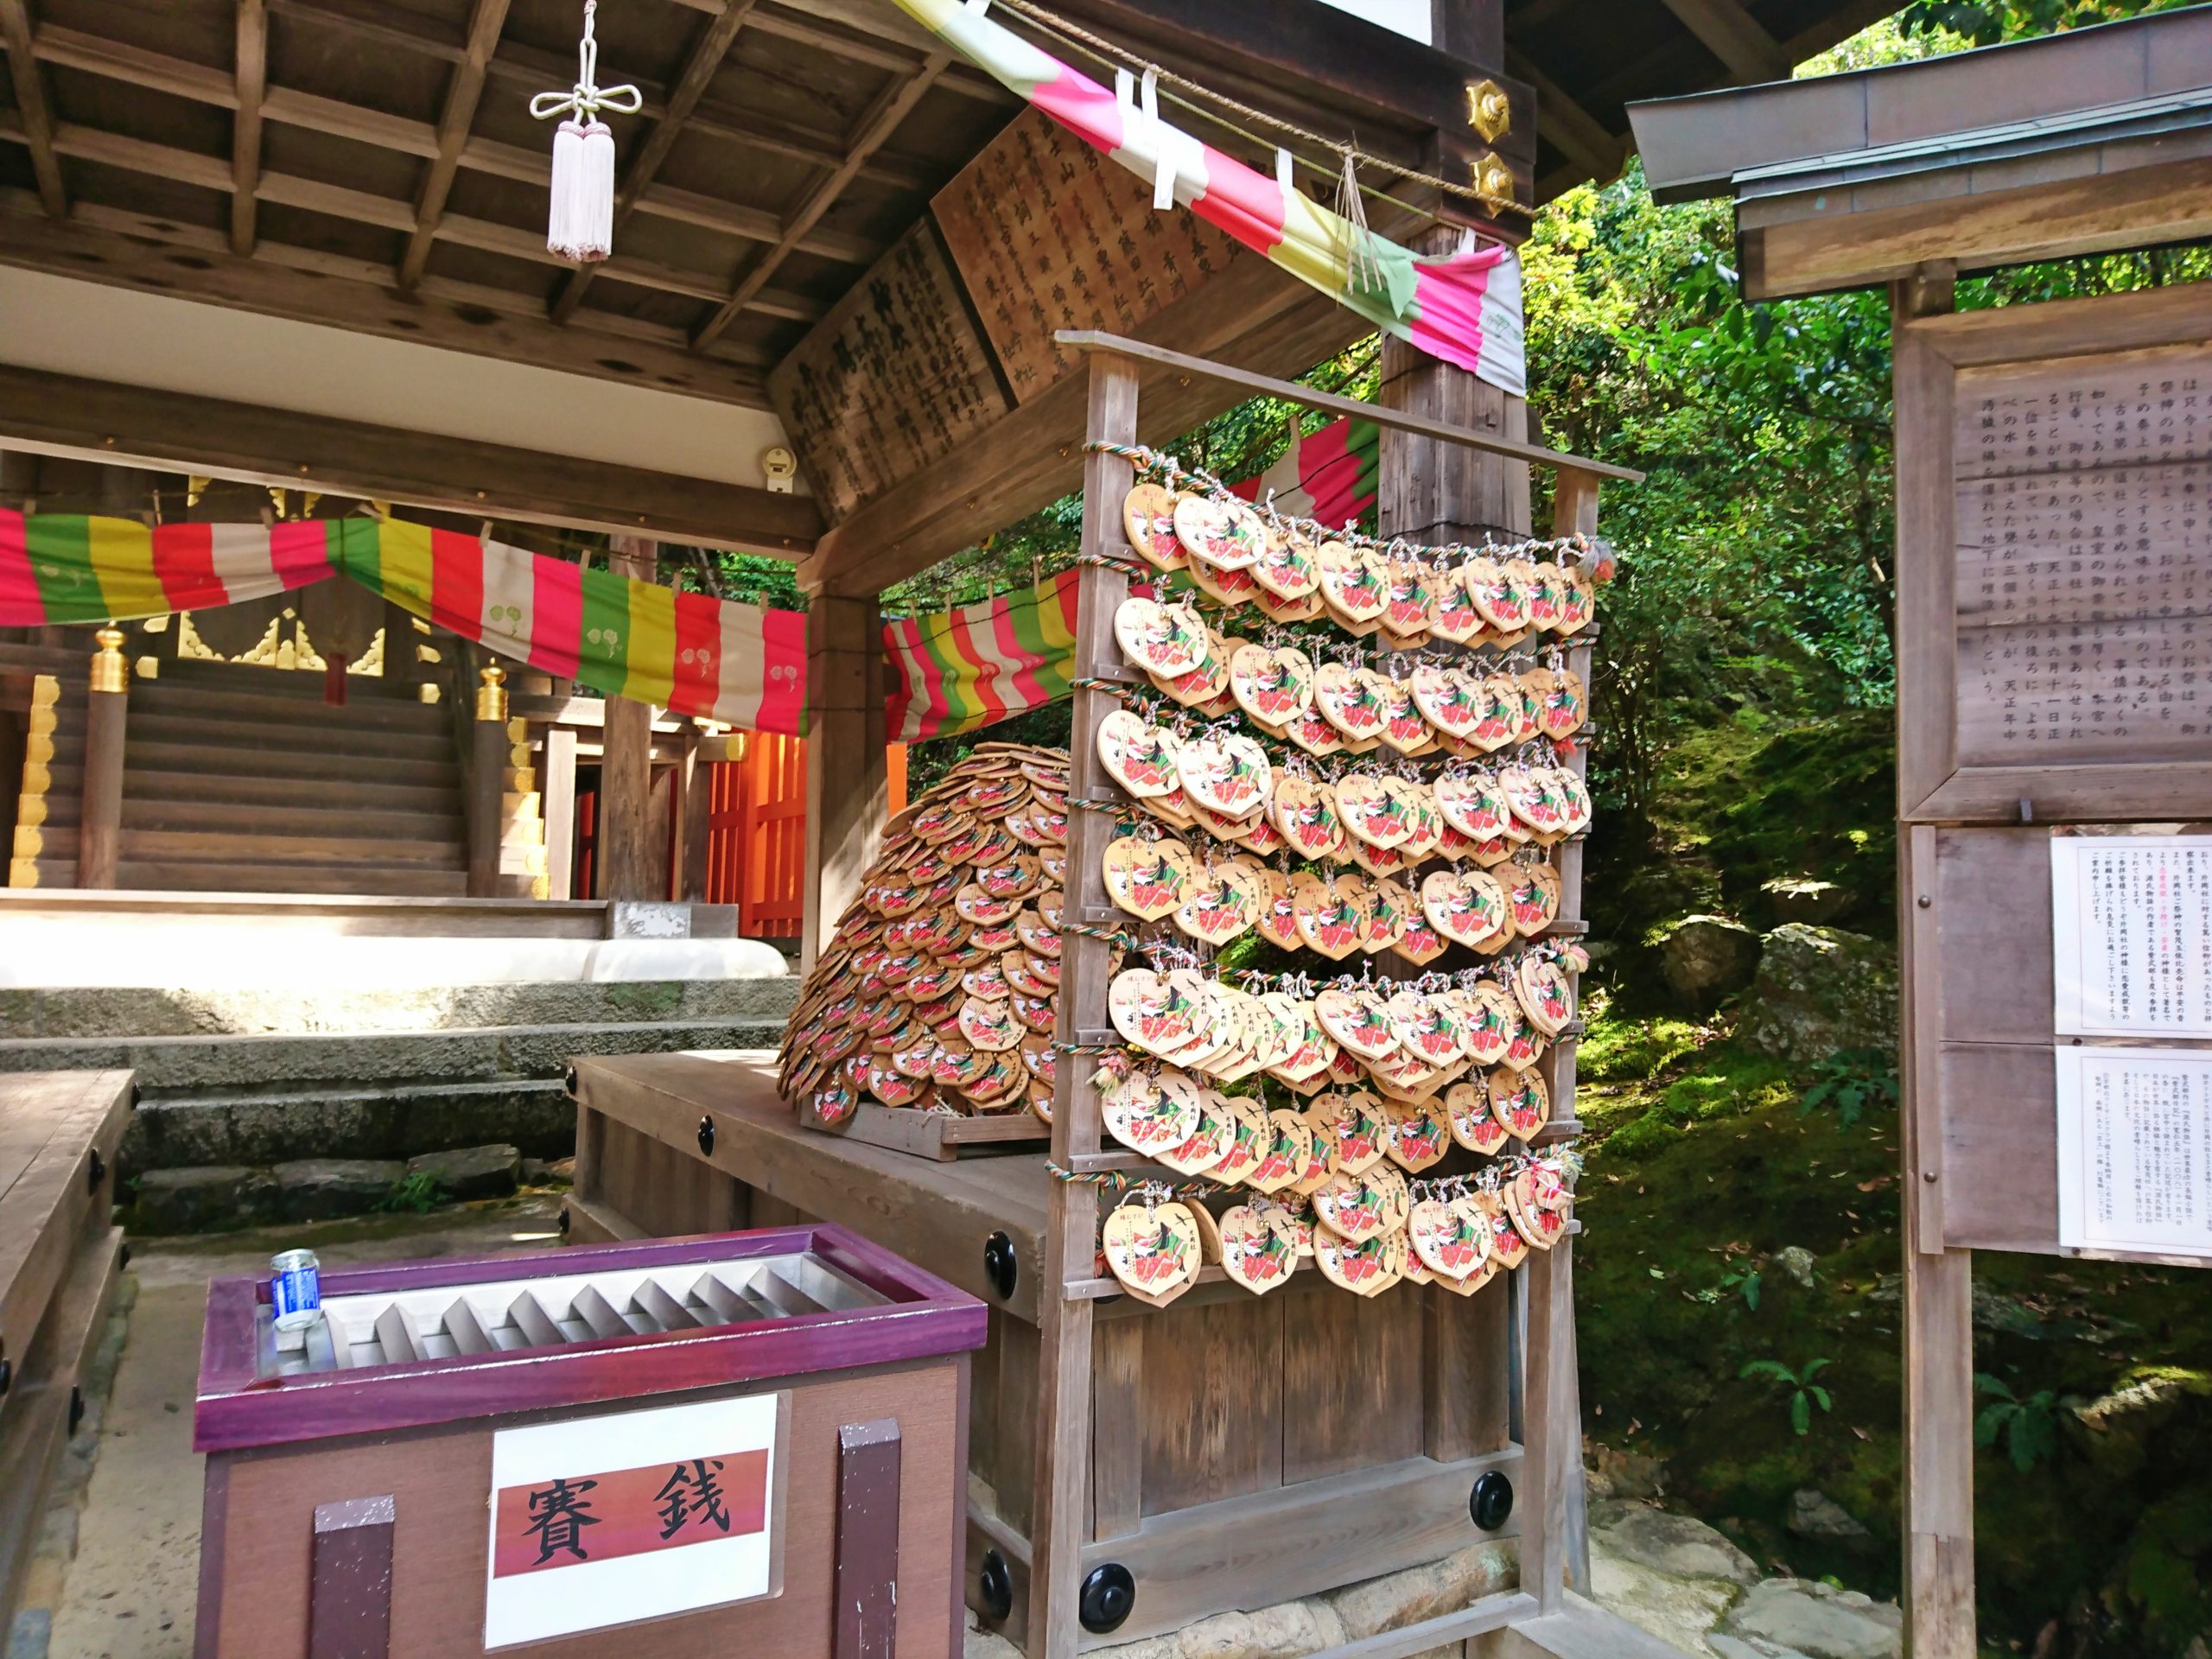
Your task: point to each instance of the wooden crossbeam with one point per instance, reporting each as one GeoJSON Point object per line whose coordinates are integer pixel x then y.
{"type": "Point", "coordinates": [699, 68]}
{"type": "Point", "coordinates": [873, 130]}
{"type": "Point", "coordinates": [458, 114]}
{"type": "Point", "coordinates": [1572, 131]}
{"type": "Point", "coordinates": [32, 106]}
{"type": "Point", "coordinates": [1733, 36]}
{"type": "Point", "coordinates": [251, 81]}
{"type": "Point", "coordinates": [140, 251]}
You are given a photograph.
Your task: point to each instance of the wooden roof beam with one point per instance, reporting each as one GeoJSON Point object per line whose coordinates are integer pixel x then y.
{"type": "Point", "coordinates": [1730, 32]}
{"type": "Point", "coordinates": [864, 40]}
{"type": "Point", "coordinates": [251, 84]}
{"type": "Point", "coordinates": [1572, 131]}
{"type": "Point", "coordinates": [873, 131]}
{"type": "Point", "coordinates": [32, 106]}
{"type": "Point", "coordinates": [707, 52]}
{"type": "Point", "coordinates": [454, 119]}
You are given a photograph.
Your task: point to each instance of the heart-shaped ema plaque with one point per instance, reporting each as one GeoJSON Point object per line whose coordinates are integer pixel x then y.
{"type": "Point", "coordinates": [1148, 516]}
{"type": "Point", "coordinates": [1357, 1019]}
{"type": "Point", "coordinates": [1154, 1250]}
{"type": "Point", "coordinates": [1148, 879]}
{"type": "Point", "coordinates": [1165, 640]}
{"type": "Point", "coordinates": [1467, 1107]}
{"type": "Point", "coordinates": [1151, 1110]}
{"type": "Point", "coordinates": [1256, 1251]}
{"type": "Point", "coordinates": [1452, 1240]}
{"type": "Point", "coordinates": [1225, 773]}
{"type": "Point", "coordinates": [1139, 755]}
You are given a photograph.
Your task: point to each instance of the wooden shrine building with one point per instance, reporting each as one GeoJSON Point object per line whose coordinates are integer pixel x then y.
{"type": "Point", "coordinates": [2051, 563]}
{"type": "Point", "coordinates": [297, 245]}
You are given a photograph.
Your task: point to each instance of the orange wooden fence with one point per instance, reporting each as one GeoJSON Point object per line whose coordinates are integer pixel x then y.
{"type": "Point", "coordinates": [756, 832]}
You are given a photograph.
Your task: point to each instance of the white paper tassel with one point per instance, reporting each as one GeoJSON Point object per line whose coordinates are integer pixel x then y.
{"type": "Point", "coordinates": [582, 227]}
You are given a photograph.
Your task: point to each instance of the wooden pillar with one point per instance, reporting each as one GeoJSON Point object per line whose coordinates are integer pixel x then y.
{"type": "Point", "coordinates": [847, 792]}
{"type": "Point", "coordinates": [1939, 1580]}
{"type": "Point", "coordinates": [99, 832]}
{"type": "Point", "coordinates": [487, 782]}
{"type": "Point", "coordinates": [694, 778]}
{"type": "Point", "coordinates": [1062, 1523]}
{"type": "Point", "coordinates": [560, 812]}
{"type": "Point", "coordinates": [401, 664]}
{"type": "Point", "coordinates": [623, 867]}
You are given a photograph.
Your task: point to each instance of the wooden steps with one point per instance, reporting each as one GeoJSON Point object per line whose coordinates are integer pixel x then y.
{"type": "Point", "coordinates": [311, 761]}
{"type": "Point", "coordinates": [246, 738]}
{"type": "Point", "coordinates": [251, 843]}
{"type": "Point", "coordinates": [149, 785]}
{"type": "Point", "coordinates": [384, 880]}
{"type": "Point", "coordinates": [357, 713]}
{"type": "Point", "coordinates": [310, 817]}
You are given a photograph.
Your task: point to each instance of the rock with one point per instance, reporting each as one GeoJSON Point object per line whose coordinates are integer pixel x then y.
{"type": "Point", "coordinates": [1819, 990]}
{"type": "Point", "coordinates": [2121, 1424]}
{"type": "Point", "coordinates": [1397, 1599]}
{"type": "Point", "coordinates": [1797, 1616]}
{"type": "Point", "coordinates": [471, 1171]}
{"type": "Point", "coordinates": [561, 1169]}
{"type": "Point", "coordinates": [534, 1171]}
{"type": "Point", "coordinates": [1673, 1544]}
{"type": "Point", "coordinates": [1705, 957]}
{"type": "Point", "coordinates": [190, 1200]}
{"type": "Point", "coordinates": [1797, 1262]}
{"type": "Point", "coordinates": [987, 1644]}
{"type": "Point", "coordinates": [1615, 1473]}
{"type": "Point", "coordinates": [1801, 898]}
{"type": "Point", "coordinates": [1815, 1515]}
{"type": "Point", "coordinates": [1282, 1631]}
{"type": "Point", "coordinates": [321, 1189]}
{"type": "Point", "coordinates": [1679, 1611]}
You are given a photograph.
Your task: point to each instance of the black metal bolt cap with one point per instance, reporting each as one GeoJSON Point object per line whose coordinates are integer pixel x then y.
{"type": "Point", "coordinates": [96, 1172]}
{"type": "Point", "coordinates": [1491, 1502]}
{"type": "Point", "coordinates": [76, 1409]}
{"type": "Point", "coordinates": [564, 1221]}
{"type": "Point", "coordinates": [136, 1094]}
{"type": "Point", "coordinates": [7, 1373]}
{"type": "Point", "coordinates": [707, 1137]}
{"type": "Point", "coordinates": [998, 1265]}
{"type": "Point", "coordinates": [997, 1585]}
{"type": "Point", "coordinates": [568, 1082]}
{"type": "Point", "coordinates": [1110, 1596]}
{"type": "Point", "coordinates": [124, 1259]}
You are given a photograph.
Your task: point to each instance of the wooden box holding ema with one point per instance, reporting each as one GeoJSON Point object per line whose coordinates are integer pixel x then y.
{"type": "Point", "coordinates": [751, 1441]}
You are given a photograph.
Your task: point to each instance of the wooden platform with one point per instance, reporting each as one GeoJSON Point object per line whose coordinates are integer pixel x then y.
{"type": "Point", "coordinates": [933, 1134]}
{"type": "Point", "coordinates": [1358, 1428]}
{"type": "Point", "coordinates": [59, 1259]}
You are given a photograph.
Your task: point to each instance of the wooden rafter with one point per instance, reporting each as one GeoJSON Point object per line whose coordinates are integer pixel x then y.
{"type": "Point", "coordinates": [873, 129]}
{"type": "Point", "coordinates": [114, 245]}
{"type": "Point", "coordinates": [1733, 36]}
{"type": "Point", "coordinates": [485, 22]}
{"type": "Point", "coordinates": [250, 80]}
{"type": "Point", "coordinates": [713, 43]}
{"type": "Point", "coordinates": [1572, 131]}
{"type": "Point", "coordinates": [32, 106]}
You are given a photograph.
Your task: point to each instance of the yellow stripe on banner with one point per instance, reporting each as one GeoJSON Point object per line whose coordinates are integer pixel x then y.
{"type": "Point", "coordinates": [651, 648]}
{"type": "Point", "coordinates": [122, 552]}
{"type": "Point", "coordinates": [404, 565]}
{"type": "Point", "coordinates": [1315, 246]}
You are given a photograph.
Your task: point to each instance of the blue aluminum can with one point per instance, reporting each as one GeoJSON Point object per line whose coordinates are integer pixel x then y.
{"type": "Point", "coordinates": [296, 1288]}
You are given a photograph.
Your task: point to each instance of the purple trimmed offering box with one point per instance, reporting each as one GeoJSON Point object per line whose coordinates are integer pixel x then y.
{"type": "Point", "coordinates": [748, 1441]}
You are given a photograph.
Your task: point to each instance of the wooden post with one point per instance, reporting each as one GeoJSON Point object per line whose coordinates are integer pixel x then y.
{"type": "Point", "coordinates": [847, 794]}
{"type": "Point", "coordinates": [623, 867]}
{"type": "Point", "coordinates": [487, 781]}
{"type": "Point", "coordinates": [1062, 1482]}
{"type": "Point", "coordinates": [99, 832]}
{"type": "Point", "coordinates": [560, 812]}
{"type": "Point", "coordinates": [1939, 1587]}
{"type": "Point", "coordinates": [695, 778]}
{"type": "Point", "coordinates": [402, 666]}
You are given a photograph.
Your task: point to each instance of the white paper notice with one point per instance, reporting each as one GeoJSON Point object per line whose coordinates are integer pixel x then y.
{"type": "Point", "coordinates": [2135, 1151]}
{"type": "Point", "coordinates": [608, 1520]}
{"type": "Point", "coordinates": [2131, 935]}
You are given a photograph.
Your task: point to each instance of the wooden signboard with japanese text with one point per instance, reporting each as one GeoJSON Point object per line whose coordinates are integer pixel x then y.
{"type": "Point", "coordinates": [890, 381]}
{"type": "Point", "coordinates": [2055, 600]}
{"type": "Point", "coordinates": [1048, 233]}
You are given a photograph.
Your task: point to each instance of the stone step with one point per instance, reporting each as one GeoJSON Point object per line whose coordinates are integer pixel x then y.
{"type": "Point", "coordinates": [117, 1013]}
{"type": "Point", "coordinates": [197, 1066]}
{"type": "Point", "coordinates": [256, 1128]}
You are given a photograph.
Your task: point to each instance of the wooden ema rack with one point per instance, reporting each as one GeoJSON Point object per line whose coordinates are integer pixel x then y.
{"type": "Point", "coordinates": [1101, 1452]}
{"type": "Point", "coordinates": [348, 1473]}
{"type": "Point", "coordinates": [59, 1258]}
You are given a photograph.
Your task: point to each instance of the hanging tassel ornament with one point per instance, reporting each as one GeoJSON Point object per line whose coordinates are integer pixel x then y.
{"type": "Point", "coordinates": [1362, 269]}
{"type": "Point", "coordinates": [580, 226]}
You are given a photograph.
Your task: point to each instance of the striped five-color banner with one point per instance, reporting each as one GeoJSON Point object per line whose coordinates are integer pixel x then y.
{"type": "Point", "coordinates": [963, 668]}
{"type": "Point", "coordinates": [688, 653]}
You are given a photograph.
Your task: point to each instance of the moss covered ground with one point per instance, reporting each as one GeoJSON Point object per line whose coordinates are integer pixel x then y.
{"type": "Point", "coordinates": [1704, 1167]}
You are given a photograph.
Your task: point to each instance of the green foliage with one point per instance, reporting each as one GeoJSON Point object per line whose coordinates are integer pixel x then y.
{"type": "Point", "coordinates": [2168, 1572]}
{"type": "Point", "coordinates": [1803, 1393]}
{"type": "Point", "coordinates": [1744, 1279]}
{"type": "Point", "coordinates": [1986, 22]}
{"type": "Point", "coordinates": [412, 1195]}
{"type": "Point", "coordinates": [1615, 1050]}
{"type": "Point", "coordinates": [1848, 1082]}
{"type": "Point", "coordinates": [2028, 1427]}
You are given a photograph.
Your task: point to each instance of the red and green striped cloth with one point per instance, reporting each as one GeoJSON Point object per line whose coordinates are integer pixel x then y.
{"type": "Point", "coordinates": [688, 653]}
{"type": "Point", "coordinates": [965, 669]}
{"type": "Point", "coordinates": [1328, 476]}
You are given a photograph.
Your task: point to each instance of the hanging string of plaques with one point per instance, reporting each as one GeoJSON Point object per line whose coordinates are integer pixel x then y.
{"type": "Point", "coordinates": [1365, 752]}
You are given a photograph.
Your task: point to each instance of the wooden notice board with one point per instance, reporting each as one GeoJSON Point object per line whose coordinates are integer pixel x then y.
{"type": "Point", "coordinates": [890, 380]}
{"type": "Point", "coordinates": [2055, 600]}
{"type": "Point", "coordinates": [1049, 233]}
